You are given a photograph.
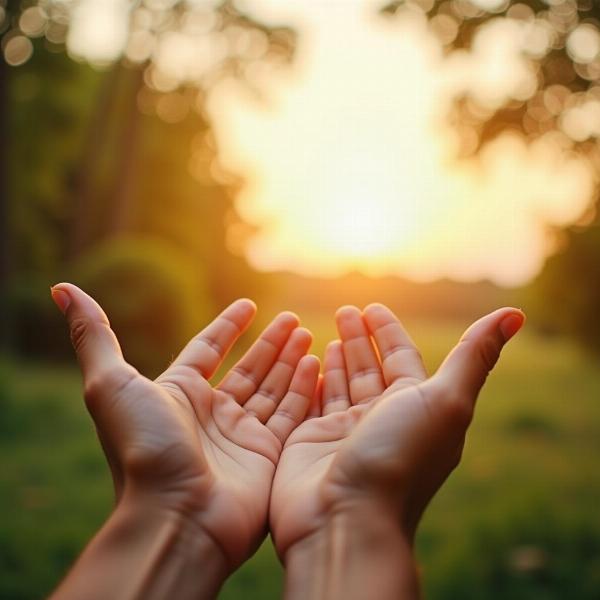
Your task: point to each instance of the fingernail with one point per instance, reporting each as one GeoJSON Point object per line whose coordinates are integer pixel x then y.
{"type": "Point", "coordinates": [510, 325]}
{"type": "Point", "coordinates": [61, 299]}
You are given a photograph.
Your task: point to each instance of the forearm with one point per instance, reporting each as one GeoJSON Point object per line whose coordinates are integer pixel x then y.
{"type": "Point", "coordinates": [141, 552]}
{"type": "Point", "coordinates": [354, 556]}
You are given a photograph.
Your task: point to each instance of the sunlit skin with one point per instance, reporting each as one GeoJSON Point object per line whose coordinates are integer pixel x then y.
{"type": "Point", "coordinates": [198, 450]}
{"type": "Point", "coordinates": [387, 439]}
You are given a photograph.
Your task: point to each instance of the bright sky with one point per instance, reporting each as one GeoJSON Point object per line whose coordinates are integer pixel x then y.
{"type": "Point", "coordinates": [350, 164]}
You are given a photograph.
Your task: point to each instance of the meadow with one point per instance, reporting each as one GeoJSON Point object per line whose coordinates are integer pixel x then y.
{"type": "Point", "coordinates": [519, 519]}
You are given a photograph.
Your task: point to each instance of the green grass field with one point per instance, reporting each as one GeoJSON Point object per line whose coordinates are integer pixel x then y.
{"type": "Point", "coordinates": [519, 519]}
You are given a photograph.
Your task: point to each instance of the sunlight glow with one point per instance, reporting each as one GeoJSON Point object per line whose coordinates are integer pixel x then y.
{"type": "Point", "coordinates": [350, 161]}
{"type": "Point", "coordinates": [352, 166]}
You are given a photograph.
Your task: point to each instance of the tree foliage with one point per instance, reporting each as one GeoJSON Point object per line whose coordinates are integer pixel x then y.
{"type": "Point", "coordinates": [560, 42]}
{"type": "Point", "coordinates": [566, 295]}
{"type": "Point", "coordinates": [119, 155]}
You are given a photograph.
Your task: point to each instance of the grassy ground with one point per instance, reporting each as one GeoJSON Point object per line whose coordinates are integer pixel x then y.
{"type": "Point", "coordinates": [519, 519]}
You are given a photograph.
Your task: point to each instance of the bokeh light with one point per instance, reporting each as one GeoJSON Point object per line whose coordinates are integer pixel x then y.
{"type": "Point", "coordinates": [17, 50]}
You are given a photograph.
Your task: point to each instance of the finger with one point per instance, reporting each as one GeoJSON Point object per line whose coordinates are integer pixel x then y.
{"type": "Point", "coordinates": [206, 351]}
{"type": "Point", "coordinates": [336, 396]}
{"type": "Point", "coordinates": [466, 368]}
{"type": "Point", "coordinates": [365, 380]}
{"type": "Point", "coordinates": [293, 408]}
{"type": "Point", "coordinates": [95, 343]}
{"type": "Point", "coordinates": [314, 409]}
{"type": "Point", "coordinates": [275, 385]}
{"type": "Point", "coordinates": [400, 358]}
{"type": "Point", "coordinates": [245, 377]}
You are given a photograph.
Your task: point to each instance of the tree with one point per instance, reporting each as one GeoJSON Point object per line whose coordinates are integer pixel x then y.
{"type": "Point", "coordinates": [560, 42]}
{"type": "Point", "coordinates": [112, 149]}
{"type": "Point", "coordinates": [6, 16]}
{"type": "Point", "coordinates": [567, 292]}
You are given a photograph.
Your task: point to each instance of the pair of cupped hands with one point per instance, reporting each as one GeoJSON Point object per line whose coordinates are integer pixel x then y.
{"type": "Point", "coordinates": [317, 459]}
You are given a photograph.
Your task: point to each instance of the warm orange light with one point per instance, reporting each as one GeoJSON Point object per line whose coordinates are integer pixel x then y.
{"type": "Point", "coordinates": [350, 165]}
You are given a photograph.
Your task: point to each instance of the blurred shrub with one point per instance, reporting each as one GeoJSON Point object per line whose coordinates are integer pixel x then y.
{"type": "Point", "coordinates": [155, 297]}
{"type": "Point", "coordinates": [566, 295]}
{"type": "Point", "coordinates": [38, 329]}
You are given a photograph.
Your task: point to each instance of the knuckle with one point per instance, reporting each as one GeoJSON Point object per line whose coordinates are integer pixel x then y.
{"type": "Point", "coordinates": [108, 383]}
{"type": "Point", "coordinates": [245, 373]}
{"type": "Point", "coordinates": [93, 390]}
{"type": "Point", "coordinates": [79, 330]}
{"type": "Point", "coordinates": [269, 394]}
{"type": "Point", "coordinates": [211, 343]}
{"type": "Point", "coordinates": [359, 374]}
{"type": "Point", "coordinates": [286, 415]}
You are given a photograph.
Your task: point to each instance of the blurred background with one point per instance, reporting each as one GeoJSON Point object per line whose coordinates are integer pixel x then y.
{"type": "Point", "coordinates": [439, 156]}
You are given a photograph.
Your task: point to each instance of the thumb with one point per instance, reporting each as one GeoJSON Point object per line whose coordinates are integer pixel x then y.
{"type": "Point", "coordinates": [95, 343]}
{"type": "Point", "coordinates": [467, 366]}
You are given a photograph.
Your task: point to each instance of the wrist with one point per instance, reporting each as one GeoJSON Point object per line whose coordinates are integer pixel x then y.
{"type": "Point", "coordinates": [356, 550]}
{"type": "Point", "coordinates": [176, 539]}
{"type": "Point", "coordinates": [145, 550]}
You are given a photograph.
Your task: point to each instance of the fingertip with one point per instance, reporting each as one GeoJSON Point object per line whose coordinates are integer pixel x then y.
{"type": "Point", "coordinates": [311, 362]}
{"type": "Point", "coordinates": [479, 349]}
{"type": "Point", "coordinates": [66, 292]}
{"type": "Point", "coordinates": [333, 349]}
{"type": "Point", "coordinates": [71, 299]}
{"type": "Point", "coordinates": [304, 333]}
{"type": "Point", "coordinates": [288, 318]}
{"type": "Point", "coordinates": [309, 372]}
{"type": "Point", "coordinates": [299, 342]}
{"type": "Point", "coordinates": [95, 343]}
{"type": "Point", "coordinates": [61, 298]}
{"type": "Point", "coordinates": [64, 286]}
{"type": "Point", "coordinates": [375, 307]}
{"type": "Point", "coordinates": [376, 315]}
{"type": "Point", "coordinates": [241, 312]}
{"type": "Point", "coordinates": [345, 312]}
{"type": "Point", "coordinates": [509, 309]}
{"type": "Point", "coordinates": [512, 323]}
{"type": "Point", "coordinates": [246, 304]}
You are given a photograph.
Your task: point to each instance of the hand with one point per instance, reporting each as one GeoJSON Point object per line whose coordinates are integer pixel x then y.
{"type": "Point", "coordinates": [206, 453]}
{"type": "Point", "coordinates": [388, 437]}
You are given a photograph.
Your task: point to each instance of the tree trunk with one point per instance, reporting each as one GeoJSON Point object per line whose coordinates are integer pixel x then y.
{"type": "Point", "coordinates": [96, 143]}
{"type": "Point", "coordinates": [123, 191]}
{"type": "Point", "coordinates": [5, 217]}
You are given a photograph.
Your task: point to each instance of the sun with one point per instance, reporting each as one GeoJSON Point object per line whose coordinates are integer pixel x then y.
{"type": "Point", "coordinates": [362, 215]}
{"type": "Point", "coordinates": [354, 227]}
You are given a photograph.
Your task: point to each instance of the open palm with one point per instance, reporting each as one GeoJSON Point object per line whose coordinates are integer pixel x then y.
{"type": "Point", "coordinates": [207, 452]}
{"type": "Point", "coordinates": [388, 437]}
